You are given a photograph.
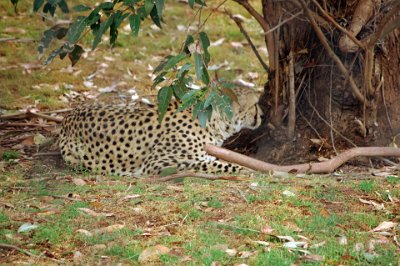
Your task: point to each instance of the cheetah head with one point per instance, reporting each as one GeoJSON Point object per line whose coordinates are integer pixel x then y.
{"type": "Point", "coordinates": [246, 111]}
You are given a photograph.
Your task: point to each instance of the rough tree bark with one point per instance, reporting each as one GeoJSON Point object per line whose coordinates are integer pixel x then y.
{"type": "Point", "coordinates": [346, 61]}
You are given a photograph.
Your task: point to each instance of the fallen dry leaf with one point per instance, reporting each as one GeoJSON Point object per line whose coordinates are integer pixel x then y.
{"type": "Point", "coordinates": [134, 196]}
{"type": "Point", "coordinates": [109, 229]}
{"type": "Point", "coordinates": [267, 229]}
{"type": "Point", "coordinates": [373, 203]}
{"type": "Point", "coordinates": [84, 232]}
{"type": "Point", "coordinates": [294, 244]}
{"type": "Point", "coordinates": [96, 214]}
{"type": "Point", "coordinates": [152, 253]}
{"type": "Point", "coordinates": [231, 252]}
{"type": "Point", "coordinates": [384, 226]}
{"type": "Point", "coordinates": [247, 254]}
{"type": "Point", "coordinates": [342, 240]}
{"type": "Point", "coordinates": [312, 258]}
{"type": "Point", "coordinates": [78, 181]}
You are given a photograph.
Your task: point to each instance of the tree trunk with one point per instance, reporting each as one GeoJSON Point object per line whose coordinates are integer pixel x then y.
{"type": "Point", "coordinates": [345, 91]}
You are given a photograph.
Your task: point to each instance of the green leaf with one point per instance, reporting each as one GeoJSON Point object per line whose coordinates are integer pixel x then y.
{"type": "Point", "coordinates": [148, 6]}
{"type": "Point", "coordinates": [198, 106]}
{"type": "Point", "coordinates": [56, 31]}
{"type": "Point", "coordinates": [203, 116]}
{"type": "Point", "coordinates": [134, 21]}
{"type": "Point", "coordinates": [191, 3]}
{"type": "Point", "coordinates": [183, 70]}
{"type": "Point", "coordinates": [142, 13]}
{"type": "Point", "coordinates": [76, 29]}
{"type": "Point", "coordinates": [155, 18]}
{"type": "Point", "coordinates": [160, 78]}
{"type": "Point", "coordinates": [198, 65]}
{"type": "Point", "coordinates": [174, 60]}
{"type": "Point", "coordinates": [205, 43]}
{"type": "Point", "coordinates": [81, 8]}
{"type": "Point", "coordinates": [130, 2]}
{"type": "Point", "coordinates": [164, 97]}
{"type": "Point", "coordinates": [160, 7]}
{"type": "Point", "coordinates": [118, 18]}
{"type": "Point", "coordinates": [63, 6]}
{"type": "Point", "coordinates": [200, 2]}
{"type": "Point", "coordinates": [37, 4]}
{"type": "Point", "coordinates": [48, 8]}
{"type": "Point", "coordinates": [188, 100]}
{"type": "Point", "coordinates": [75, 55]}
{"type": "Point", "coordinates": [180, 90]}
{"type": "Point", "coordinates": [53, 55]}
{"type": "Point", "coordinates": [189, 40]}
{"type": "Point", "coordinates": [103, 28]}
{"type": "Point", "coordinates": [210, 99]}
{"type": "Point", "coordinates": [107, 6]}
{"type": "Point", "coordinates": [162, 64]}
{"type": "Point", "coordinates": [93, 18]}
{"type": "Point", "coordinates": [224, 105]}
{"type": "Point", "coordinates": [205, 77]}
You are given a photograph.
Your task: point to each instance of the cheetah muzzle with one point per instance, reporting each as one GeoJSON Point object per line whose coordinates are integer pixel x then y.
{"type": "Point", "coordinates": [129, 140]}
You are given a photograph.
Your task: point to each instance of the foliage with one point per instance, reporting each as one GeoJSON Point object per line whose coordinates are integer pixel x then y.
{"type": "Point", "coordinates": [10, 155]}
{"type": "Point", "coordinates": [203, 95]}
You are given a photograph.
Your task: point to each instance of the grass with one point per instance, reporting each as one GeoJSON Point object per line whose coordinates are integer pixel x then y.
{"type": "Point", "coordinates": [196, 219]}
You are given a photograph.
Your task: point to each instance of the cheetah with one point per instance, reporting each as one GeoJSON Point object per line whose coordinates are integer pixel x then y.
{"type": "Point", "coordinates": [129, 140]}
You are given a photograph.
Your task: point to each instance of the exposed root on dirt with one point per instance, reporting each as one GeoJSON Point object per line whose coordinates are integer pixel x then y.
{"type": "Point", "coordinates": [318, 167]}
{"type": "Point", "coordinates": [23, 251]}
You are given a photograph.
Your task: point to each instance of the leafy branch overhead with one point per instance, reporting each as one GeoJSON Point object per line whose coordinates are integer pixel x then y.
{"type": "Point", "coordinates": [175, 71]}
{"type": "Point", "coordinates": [103, 18]}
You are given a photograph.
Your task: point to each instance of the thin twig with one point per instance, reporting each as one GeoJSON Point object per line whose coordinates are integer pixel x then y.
{"type": "Point", "coordinates": [23, 251]}
{"type": "Point", "coordinates": [253, 47]}
{"type": "Point", "coordinates": [23, 125]}
{"type": "Point", "coordinates": [283, 22]}
{"type": "Point", "coordinates": [292, 98]}
{"type": "Point", "coordinates": [47, 154]}
{"type": "Point", "coordinates": [12, 39]}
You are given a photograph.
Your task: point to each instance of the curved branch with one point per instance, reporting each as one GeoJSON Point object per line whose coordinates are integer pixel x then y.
{"type": "Point", "coordinates": [319, 167]}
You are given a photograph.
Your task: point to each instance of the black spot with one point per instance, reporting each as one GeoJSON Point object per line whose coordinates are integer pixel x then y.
{"type": "Point", "coordinates": [122, 131]}
{"type": "Point", "coordinates": [147, 120]}
{"type": "Point", "coordinates": [121, 139]}
{"type": "Point", "coordinates": [102, 113]}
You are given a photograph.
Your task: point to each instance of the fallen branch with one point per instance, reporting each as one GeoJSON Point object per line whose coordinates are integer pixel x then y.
{"type": "Point", "coordinates": [156, 179]}
{"type": "Point", "coordinates": [29, 114]}
{"type": "Point", "coordinates": [319, 167]}
{"type": "Point", "coordinates": [3, 125]}
{"type": "Point", "coordinates": [23, 251]}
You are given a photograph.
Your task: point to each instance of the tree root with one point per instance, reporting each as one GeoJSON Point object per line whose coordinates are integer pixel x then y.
{"type": "Point", "coordinates": [319, 167]}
